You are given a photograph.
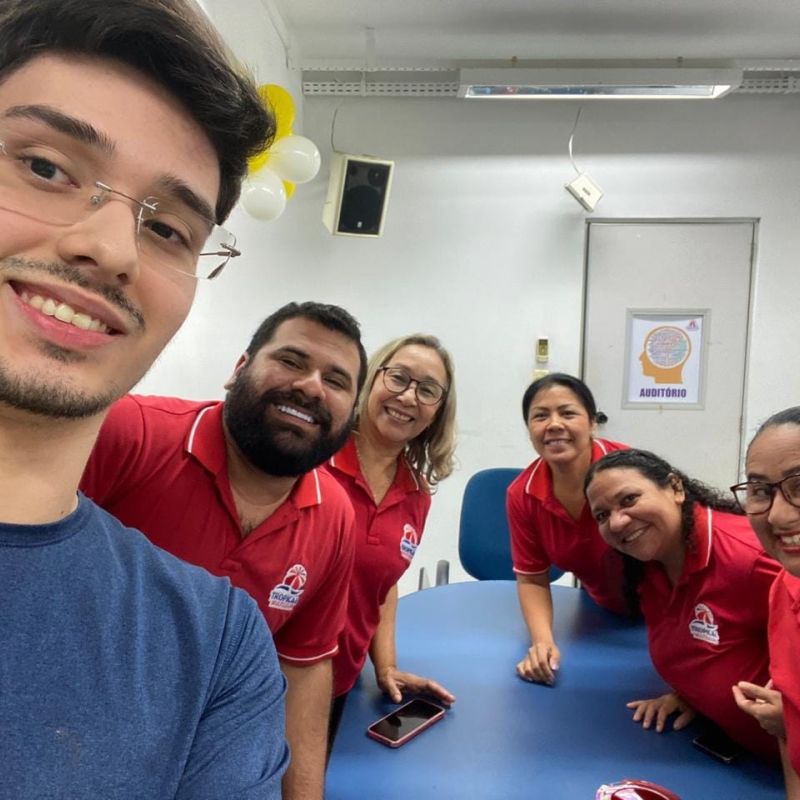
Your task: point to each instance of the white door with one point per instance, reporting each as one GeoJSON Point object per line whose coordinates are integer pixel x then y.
{"type": "Point", "coordinates": [643, 270]}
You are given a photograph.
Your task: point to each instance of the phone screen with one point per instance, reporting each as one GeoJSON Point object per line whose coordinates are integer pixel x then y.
{"type": "Point", "coordinates": [718, 745]}
{"type": "Point", "coordinates": [406, 719]}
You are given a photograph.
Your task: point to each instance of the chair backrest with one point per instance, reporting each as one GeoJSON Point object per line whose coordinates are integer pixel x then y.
{"type": "Point", "coordinates": [484, 545]}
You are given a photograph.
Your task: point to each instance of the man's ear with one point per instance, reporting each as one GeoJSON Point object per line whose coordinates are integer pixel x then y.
{"type": "Point", "coordinates": [244, 360]}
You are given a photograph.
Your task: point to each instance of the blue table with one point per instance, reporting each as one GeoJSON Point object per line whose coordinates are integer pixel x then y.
{"type": "Point", "coordinates": [506, 739]}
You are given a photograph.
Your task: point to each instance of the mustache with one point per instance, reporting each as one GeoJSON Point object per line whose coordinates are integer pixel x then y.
{"type": "Point", "coordinates": [312, 406]}
{"type": "Point", "coordinates": [69, 274]}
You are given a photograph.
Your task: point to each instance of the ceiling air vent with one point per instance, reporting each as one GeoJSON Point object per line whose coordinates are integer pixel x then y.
{"type": "Point", "coordinates": [758, 82]}
{"type": "Point", "coordinates": [379, 88]}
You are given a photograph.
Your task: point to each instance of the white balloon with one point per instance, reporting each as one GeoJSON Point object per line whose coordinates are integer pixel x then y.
{"type": "Point", "coordinates": [264, 196]}
{"type": "Point", "coordinates": [295, 159]}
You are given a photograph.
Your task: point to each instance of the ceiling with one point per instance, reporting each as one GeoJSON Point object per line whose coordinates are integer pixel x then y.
{"type": "Point", "coordinates": [450, 33]}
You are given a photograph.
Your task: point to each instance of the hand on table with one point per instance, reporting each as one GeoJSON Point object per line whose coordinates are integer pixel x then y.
{"type": "Point", "coordinates": [762, 702]}
{"type": "Point", "coordinates": [659, 708]}
{"type": "Point", "coordinates": [395, 683]}
{"type": "Point", "coordinates": [540, 663]}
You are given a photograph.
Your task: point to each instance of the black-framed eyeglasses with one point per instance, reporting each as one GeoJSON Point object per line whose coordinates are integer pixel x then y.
{"type": "Point", "coordinates": [397, 380]}
{"type": "Point", "coordinates": [756, 497]}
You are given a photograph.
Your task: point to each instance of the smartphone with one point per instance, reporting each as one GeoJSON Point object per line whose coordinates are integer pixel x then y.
{"type": "Point", "coordinates": [718, 745]}
{"type": "Point", "coordinates": [405, 722]}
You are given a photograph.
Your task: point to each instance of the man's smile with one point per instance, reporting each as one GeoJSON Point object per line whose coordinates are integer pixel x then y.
{"type": "Point", "coordinates": [63, 312]}
{"type": "Point", "coordinates": [297, 413]}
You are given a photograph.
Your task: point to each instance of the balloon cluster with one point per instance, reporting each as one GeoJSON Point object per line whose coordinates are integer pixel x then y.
{"type": "Point", "coordinates": [273, 173]}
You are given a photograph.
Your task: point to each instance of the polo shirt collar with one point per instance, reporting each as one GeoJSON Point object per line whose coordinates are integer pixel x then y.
{"type": "Point", "coordinates": [540, 482]}
{"type": "Point", "coordinates": [206, 443]}
{"type": "Point", "coordinates": [792, 585]}
{"type": "Point", "coordinates": [307, 491]}
{"type": "Point", "coordinates": [699, 553]}
{"type": "Point", "coordinates": [346, 460]}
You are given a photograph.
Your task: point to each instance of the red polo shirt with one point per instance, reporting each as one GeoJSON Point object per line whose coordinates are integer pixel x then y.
{"type": "Point", "coordinates": [710, 630]}
{"type": "Point", "coordinates": [386, 538]}
{"type": "Point", "coordinates": [784, 637]}
{"type": "Point", "coordinates": [160, 465]}
{"type": "Point", "coordinates": [543, 533]}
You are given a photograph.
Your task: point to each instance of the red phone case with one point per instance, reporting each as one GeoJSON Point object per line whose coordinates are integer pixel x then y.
{"type": "Point", "coordinates": [412, 733]}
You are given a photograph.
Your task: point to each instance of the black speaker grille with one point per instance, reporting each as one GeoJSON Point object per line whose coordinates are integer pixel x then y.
{"type": "Point", "coordinates": [363, 197]}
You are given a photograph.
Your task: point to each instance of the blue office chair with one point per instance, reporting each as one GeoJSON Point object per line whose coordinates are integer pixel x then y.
{"type": "Point", "coordinates": [484, 545]}
{"type": "Point", "coordinates": [484, 542]}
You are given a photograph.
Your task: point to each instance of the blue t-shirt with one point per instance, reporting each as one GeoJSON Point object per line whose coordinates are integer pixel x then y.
{"type": "Point", "coordinates": [126, 673]}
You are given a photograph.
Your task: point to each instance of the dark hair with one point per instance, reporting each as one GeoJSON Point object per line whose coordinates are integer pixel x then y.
{"type": "Point", "coordinates": [575, 385]}
{"type": "Point", "coordinates": [789, 416]}
{"type": "Point", "coordinates": [331, 317]}
{"type": "Point", "coordinates": [173, 43]}
{"type": "Point", "coordinates": [662, 474]}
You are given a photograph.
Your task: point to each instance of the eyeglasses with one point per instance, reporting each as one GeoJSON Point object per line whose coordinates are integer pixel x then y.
{"type": "Point", "coordinates": [53, 185]}
{"type": "Point", "coordinates": [756, 497]}
{"type": "Point", "coordinates": [397, 380]}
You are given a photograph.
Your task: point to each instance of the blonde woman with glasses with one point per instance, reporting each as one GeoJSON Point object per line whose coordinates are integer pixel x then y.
{"type": "Point", "coordinates": [402, 446]}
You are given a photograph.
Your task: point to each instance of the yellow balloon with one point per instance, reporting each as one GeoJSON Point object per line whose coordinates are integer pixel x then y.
{"type": "Point", "coordinates": [282, 105]}
{"type": "Point", "coordinates": [289, 186]}
{"type": "Point", "coordinates": [280, 101]}
{"type": "Point", "coordinates": [256, 162]}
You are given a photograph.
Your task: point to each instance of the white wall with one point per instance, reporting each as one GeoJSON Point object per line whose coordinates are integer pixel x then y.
{"type": "Point", "coordinates": [256, 34]}
{"type": "Point", "coordinates": [484, 248]}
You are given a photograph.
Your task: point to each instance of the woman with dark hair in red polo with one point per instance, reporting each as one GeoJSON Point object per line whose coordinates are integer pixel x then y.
{"type": "Point", "coordinates": [702, 581]}
{"type": "Point", "coordinates": [549, 520]}
{"type": "Point", "coordinates": [771, 499]}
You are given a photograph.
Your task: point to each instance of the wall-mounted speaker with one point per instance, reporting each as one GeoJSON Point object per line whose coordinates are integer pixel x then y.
{"type": "Point", "coordinates": [358, 193]}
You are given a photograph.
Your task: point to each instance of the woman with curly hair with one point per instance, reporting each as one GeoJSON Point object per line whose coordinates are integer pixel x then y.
{"type": "Point", "coordinates": [702, 580]}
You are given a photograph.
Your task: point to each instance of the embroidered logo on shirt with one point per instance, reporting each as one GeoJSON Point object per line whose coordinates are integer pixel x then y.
{"type": "Point", "coordinates": [286, 595]}
{"type": "Point", "coordinates": [702, 627]}
{"type": "Point", "coordinates": [409, 542]}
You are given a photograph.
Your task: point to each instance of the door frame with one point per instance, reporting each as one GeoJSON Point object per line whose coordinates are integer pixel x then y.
{"type": "Point", "coordinates": [753, 221]}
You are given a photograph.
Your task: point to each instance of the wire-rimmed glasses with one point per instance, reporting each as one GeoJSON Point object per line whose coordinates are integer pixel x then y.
{"type": "Point", "coordinates": [56, 185]}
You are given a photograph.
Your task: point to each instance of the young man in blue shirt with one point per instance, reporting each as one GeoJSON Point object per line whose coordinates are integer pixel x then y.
{"type": "Point", "coordinates": [124, 135]}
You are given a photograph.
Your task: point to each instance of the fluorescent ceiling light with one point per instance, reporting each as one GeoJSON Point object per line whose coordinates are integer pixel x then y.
{"type": "Point", "coordinates": [593, 83]}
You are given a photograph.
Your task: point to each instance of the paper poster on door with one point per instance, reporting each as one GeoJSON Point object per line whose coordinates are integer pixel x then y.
{"type": "Point", "coordinates": [665, 358]}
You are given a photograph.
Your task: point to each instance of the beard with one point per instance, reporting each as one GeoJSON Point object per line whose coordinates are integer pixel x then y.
{"type": "Point", "coordinates": [264, 442]}
{"type": "Point", "coordinates": [37, 396]}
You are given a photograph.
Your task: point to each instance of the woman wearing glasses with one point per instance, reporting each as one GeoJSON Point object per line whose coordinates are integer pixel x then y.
{"type": "Point", "coordinates": [702, 582]}
{"type": "Point", "coordinates": [771, 500]}
{"type": "Point", "coordinates": [402, 446]}
{"type": "Point", "coordinates": [548, 517]}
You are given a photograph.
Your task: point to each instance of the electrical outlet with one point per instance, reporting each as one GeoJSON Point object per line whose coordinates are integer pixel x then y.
{"type": "Point", "coordinates": [585, 191]}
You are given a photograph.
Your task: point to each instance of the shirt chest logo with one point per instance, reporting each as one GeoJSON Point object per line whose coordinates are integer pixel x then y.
{"type": "Point", "coordinates": [702, 627]}
{"type": "Point", "coordinates": [409, 542]}
{"type": "Point", "coordinates": [286, 595]}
